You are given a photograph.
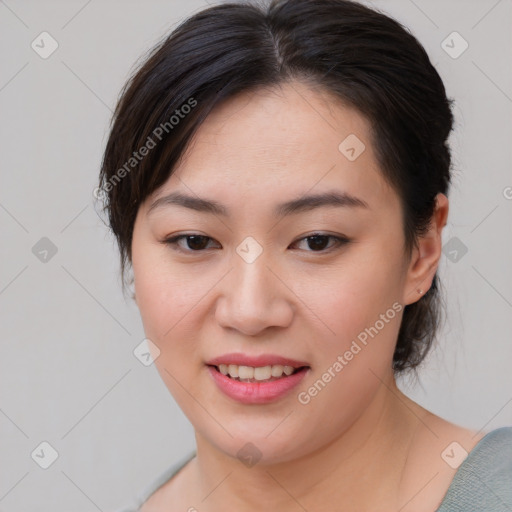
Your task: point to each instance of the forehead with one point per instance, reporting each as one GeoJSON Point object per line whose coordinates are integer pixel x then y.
{"type": "Point", "coordinates": [284, 140]}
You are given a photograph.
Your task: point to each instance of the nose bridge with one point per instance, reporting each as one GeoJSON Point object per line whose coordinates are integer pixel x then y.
{"type": "Point", "coordinates": [253, 298]}
{"type": "Point", "coordinates": [251, 289]}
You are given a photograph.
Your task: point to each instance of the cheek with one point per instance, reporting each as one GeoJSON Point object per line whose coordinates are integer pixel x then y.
{"type": "Point", "coordinates": [166, 305]}
{"type": "Point", "coordinates": [350, 299]}
{"type": "Point", "coordinates": [165, 295]}
{"type": "Point", "coordinates": [169, 301]}
{"type": "Point", "coordinates": [360, 308]}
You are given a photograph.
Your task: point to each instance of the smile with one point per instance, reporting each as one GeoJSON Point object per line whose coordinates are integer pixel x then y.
{"type": "Point", "coordinates": [267, 380]}
{"type": "Point", "coordinates": [256, 374]}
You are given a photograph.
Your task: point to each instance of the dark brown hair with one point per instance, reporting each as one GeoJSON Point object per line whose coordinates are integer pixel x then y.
{"type": "Point", "coordinates": [361, 56]}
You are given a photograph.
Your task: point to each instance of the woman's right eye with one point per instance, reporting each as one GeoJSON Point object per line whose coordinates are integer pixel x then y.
{"type": "Point", "coordinates": [192, 242]}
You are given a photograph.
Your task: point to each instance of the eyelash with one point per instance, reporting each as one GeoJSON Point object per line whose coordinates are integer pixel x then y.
{"type": "Point", "coordinates": [173, 242]}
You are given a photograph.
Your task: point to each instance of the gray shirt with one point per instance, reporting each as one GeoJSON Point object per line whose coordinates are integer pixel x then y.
{"type": "Point", "coordinates": [483, 482]}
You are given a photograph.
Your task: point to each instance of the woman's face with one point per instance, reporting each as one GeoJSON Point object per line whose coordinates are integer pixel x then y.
{"type": "Point", "coordinates": [252, 290]}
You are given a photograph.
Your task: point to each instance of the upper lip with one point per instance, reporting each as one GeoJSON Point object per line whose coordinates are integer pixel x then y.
{"type": "Point", "coordinates": [255, 361]}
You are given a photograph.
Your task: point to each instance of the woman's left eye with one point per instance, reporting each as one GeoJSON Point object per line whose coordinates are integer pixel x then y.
{"type": "Point", "coordinates": [197, 243]}
{"type": "Point", "coordinates": [318, 242]}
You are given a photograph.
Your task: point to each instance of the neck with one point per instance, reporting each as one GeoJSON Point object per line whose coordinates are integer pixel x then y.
{"type": "Point", "coordinates": [360, 469]}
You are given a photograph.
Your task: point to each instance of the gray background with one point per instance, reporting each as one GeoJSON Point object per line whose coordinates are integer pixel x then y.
{"type": "Point", "coordinates": [68, 375]}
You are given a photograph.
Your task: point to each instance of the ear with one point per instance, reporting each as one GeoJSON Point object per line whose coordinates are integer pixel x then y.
{"type": "Point", "coordinates": [425, 257]}
{"type": "Point", "coordinates": [131, 284]}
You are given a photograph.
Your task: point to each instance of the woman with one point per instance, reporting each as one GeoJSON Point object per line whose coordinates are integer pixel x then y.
{"type": "Point", "coordinates": [277, 179]}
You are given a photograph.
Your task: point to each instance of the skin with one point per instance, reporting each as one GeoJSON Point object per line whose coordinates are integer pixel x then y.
{"type": "Point", "coordinates": [360, 444]}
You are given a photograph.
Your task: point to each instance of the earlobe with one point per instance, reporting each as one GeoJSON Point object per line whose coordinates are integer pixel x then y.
{"type": "Point", "coordinates": [425, 257]}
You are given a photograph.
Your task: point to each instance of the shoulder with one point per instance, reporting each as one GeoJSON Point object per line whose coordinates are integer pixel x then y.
{"type": "Point", "coordinates": [492, 456]}
{"type": "Point", "coordinates": [484, 480]}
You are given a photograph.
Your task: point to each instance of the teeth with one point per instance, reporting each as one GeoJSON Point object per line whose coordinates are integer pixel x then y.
{"type": "Point", "coordinates": [277, 370]}
{"type": "Point", "coordinates": [259, 373]}
{"type": "Point", "coordinates": [263, 373]}
{"type": "Point", "coordinates": [245, 372]}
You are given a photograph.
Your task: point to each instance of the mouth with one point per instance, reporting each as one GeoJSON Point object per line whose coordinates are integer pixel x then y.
{"type": "Point", "coordinates": [257, 374]}
{"type": "Point", "coordinates": [256, 380]}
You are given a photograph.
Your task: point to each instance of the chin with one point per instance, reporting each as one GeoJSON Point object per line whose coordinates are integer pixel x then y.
{"type": "Point", "coordinates": [258, 440]}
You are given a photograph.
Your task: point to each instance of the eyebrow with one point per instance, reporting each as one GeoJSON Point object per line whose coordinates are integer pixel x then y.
{"type": "Point", "coordinates": [299, 205]}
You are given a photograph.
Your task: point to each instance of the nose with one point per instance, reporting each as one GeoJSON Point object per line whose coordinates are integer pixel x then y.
{"type": "Point", "coordinates": [253, 298]}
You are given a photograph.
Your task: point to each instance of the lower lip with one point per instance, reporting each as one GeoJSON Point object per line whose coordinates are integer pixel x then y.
{"type": "Point", "coordinates": [256, 392]}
